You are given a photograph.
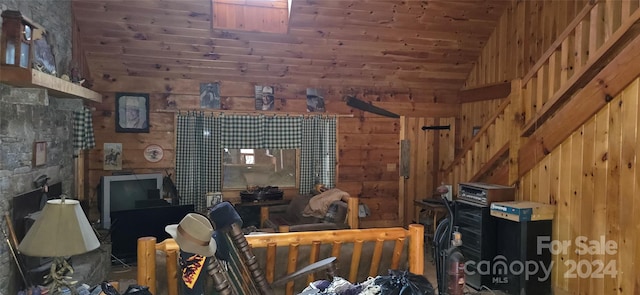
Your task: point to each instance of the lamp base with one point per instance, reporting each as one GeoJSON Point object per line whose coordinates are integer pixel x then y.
{"type": "Point", "coordinates": [57, 279]}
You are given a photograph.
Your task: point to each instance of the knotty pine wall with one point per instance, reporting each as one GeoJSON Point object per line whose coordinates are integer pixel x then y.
{"type": "Point", "coordinates": [593, 180]}
{"type": "Point", "coordinates": [430, 151]}
{"type": "Point", "coordinates": [368, 144]}
{"type": "Point", "coordinates": [525, 31]}
{"type": "Point", "coordinates": [475, 114]}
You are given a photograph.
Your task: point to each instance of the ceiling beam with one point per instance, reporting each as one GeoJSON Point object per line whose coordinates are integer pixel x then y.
{"type": "Point", "coordinates": [485, 92]}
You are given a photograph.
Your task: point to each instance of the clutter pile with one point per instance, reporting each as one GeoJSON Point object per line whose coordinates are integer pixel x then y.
{"type": "Point", "coordinates": [396, 283]}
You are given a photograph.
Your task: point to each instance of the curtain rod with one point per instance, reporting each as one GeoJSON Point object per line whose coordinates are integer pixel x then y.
{"type": "Point", "coordinates": [256, 113]}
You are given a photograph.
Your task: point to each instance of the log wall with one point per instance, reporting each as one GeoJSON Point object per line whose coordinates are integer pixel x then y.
{"type": "Point", "coordinates": [429, 152]}
{"type": "Point", "coordinates": [368, 144]}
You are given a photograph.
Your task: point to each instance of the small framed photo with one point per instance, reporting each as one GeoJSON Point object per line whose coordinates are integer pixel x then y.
{"type": "Point", "coordinates": [264, 98]}
{"type": "Point", "coordinates": [210, 96]}
{"type": "Point", "coordinates": [39, 153]}
{"type": "Point", "coordinates": [112, 153]}
{"type": "Point", "coordinates": [132, 112]}
{"type": "Point", "coordinates": [315, 101]}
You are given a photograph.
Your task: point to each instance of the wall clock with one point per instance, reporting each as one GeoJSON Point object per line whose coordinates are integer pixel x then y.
{"type": "Point", "coordinates": [153, 153]}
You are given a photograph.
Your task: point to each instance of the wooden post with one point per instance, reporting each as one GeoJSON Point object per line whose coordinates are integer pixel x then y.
{"type": "Point", "coordinates": [516, 119]}
{"type": "Point", "coordinates": [416, 249]}
{"type": "Point", "coordinates": [147, 263]}
{"type": "Point", "coordinates": [352, 215]}
{"type": "Point", "coordinates": [172, 271]}
{"type": "Point", "coordinates": [264, 215]}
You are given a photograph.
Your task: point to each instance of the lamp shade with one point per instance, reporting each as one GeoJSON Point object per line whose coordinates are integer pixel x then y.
{"type": "Point", "coordinates": [61, 230]}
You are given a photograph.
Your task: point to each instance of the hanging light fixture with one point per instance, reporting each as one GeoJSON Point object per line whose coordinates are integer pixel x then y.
{"type": "Point", "coordinates": [17, 37]}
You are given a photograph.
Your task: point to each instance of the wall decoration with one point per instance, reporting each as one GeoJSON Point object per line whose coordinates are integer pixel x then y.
{"type": "Point", "coordinates": [39, 153]}
{"type": "Point", "coordinates": [43, 58]}
{"type": "Point", "coordinates": [132, 112]}
{"type": "Point", "coordinates": [264, 98]}
{"type": "Point", "coordinates": [210, 96]}
{"type": "Point", "coordinates": [153, 153]}
{"type": "Point", "coordinates": [315, 101]}
{"type": "Point", "coordinates": [112, 156]}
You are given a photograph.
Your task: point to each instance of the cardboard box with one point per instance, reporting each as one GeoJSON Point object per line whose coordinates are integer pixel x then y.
{"type": "Point", "coordinates": [520, 211]}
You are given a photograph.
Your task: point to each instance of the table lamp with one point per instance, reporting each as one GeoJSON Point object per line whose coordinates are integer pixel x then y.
{"type": "Point", "coordinates": [62, 230]}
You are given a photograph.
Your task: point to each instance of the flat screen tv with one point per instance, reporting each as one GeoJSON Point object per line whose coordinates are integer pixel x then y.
{"type": "Point", "coordinates": [124, 192]}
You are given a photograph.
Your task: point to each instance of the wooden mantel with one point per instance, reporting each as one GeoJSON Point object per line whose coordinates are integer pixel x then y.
{"type": "Point", "coordinates": [57, 87]}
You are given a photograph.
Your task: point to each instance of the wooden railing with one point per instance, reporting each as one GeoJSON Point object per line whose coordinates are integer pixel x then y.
{"type": "Point", "coordinates": [598, 33]}
{"type": "Point", "coordinates": [588, 43]}
{"type": "Point", "coordinates": [487, 147]}
{"type": "Point", "coordinates": [380, 249]}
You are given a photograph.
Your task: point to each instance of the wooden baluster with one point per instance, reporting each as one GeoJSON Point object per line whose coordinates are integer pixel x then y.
{"type": "Point", "coordinates": [292, 262]}
{"type": "Point", "coordinates": [397, 253]}
{"type": "Point", "coordinates": [271, 262]}
{"type": "Point", "coordinates": [376, 258]}
{"type": "Point", "coordinates": [542, 87]}
{"type": "Point", "coordinates": [627, 8]}
{"type": "Point", "coordinates": [596, 30]}
{"type": "Point", "coordinates": [612, 16]}
{"type": "Point", "coordinates": [582, 44]}
{"type": "Point", "coordinates": [554, 72]}
{"type": "Point", "coordinates": [314, 256]}
{"type": "Point", "coordinates": [355, 260]}
{"type": "Point", "coordinates": [566, 59]}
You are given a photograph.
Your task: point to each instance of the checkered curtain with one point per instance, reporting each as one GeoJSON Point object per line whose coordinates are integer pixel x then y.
{"type": "Point", "coordinates": [318, 154]}
{"type": "Point", "coordinates": [83, 138]}
{"type": "Point", "coordinates": [261, 132]}
{"type": "Point", "coordinates": [198, 157]}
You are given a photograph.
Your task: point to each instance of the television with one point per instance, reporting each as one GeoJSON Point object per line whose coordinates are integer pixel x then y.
{"type": "Point", "coordinates": [126, 192]}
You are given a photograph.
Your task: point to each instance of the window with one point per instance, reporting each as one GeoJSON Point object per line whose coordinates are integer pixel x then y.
{"type": "Point", "coordinates": [270, 16]}
{"type": "Point", "coordinates": [260, 167]}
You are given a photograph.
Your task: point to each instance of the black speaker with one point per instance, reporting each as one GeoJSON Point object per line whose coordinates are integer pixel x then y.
{"type": "Point", "coordinates": [478, 230]}
{"type": "Point", "coordinates": [526, 269]}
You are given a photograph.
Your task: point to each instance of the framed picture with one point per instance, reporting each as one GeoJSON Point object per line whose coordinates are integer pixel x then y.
{"type": "Point", "coordinates": [315, 101]}
{"type": "Point", "coordinates": [210, 96]}
{"type": "Point", "coordinates": [39, 153]}
{"type": "Point", "coordinates": [264, 98]}
{"type": "Point", "coordinates": [112, 156]}
{"type": "Point", "coordinates": [43, 59]}
{"type": "Point", "coordinates": [132, 112]}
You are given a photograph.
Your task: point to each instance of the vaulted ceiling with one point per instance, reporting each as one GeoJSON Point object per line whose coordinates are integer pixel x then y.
{"type": "Point", "coordinates": [426, 46]}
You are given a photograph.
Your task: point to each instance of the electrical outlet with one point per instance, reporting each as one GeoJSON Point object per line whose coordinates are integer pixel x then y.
{"type": "Point", "coordinates": [391, 167]}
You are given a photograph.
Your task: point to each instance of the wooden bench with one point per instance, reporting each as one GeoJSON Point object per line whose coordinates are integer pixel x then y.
{"type": "Point", "coordinates": [361, 253]}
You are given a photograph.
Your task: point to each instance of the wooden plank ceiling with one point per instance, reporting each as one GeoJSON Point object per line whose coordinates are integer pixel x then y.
{"type": "Point", "coordinates": [425, 46]}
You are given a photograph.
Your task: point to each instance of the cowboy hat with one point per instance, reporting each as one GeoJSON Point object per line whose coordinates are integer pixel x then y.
{"type": "Point", "coordinates": [313, 92]}
{"type": "Point", "coordinates": [194, 234]}
{"type": "Point", "coordinates": [267, 90]}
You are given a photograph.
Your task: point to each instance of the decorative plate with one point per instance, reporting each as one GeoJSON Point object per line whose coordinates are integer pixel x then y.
{"type": "Point", "coordinates": [153, 153]}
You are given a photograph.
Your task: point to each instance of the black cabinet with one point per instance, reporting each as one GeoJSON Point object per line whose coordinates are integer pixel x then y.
{"type": "Point", "coordinates": [478, 229]}
{"type": "Point", "coordinates": [129, 225]}
{"type": "Point", "coordinates": [516, 245]}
